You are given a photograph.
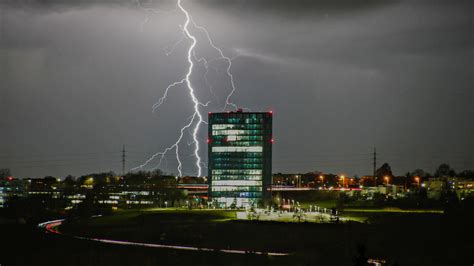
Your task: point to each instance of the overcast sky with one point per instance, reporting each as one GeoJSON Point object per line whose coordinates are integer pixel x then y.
{"type": "Point", "coordinates": [77, 81]}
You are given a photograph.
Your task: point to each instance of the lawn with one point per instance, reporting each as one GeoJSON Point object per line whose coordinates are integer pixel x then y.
{"type": "Point", "coordinates": [393, 210]}
{"type": "Point", "coordinates": [407, 238]}
{"type": "Point", "coordinates": [130, 217]}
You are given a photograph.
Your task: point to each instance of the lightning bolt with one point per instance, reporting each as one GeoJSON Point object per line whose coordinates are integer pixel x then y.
{"type": "Point", "coordinates": [165, 94]}
{"type": "Point", "coordinates": [229, 65]}
{"type": "Point", "coordinates": [191, 89]}
{"type": "Point", "coordinates": [196, 119]}
{"type": "Point", "coordinates": [175, 146]}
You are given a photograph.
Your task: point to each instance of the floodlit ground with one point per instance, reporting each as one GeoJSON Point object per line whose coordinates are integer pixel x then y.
{"type": "Point", "coordinates": [324, 216]}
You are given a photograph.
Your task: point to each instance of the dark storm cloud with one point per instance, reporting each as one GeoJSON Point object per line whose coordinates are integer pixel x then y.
{"type": "Point", "coordinates": [297, 7]}
{"type": "Point", "coordinates": [78, 79]}
{"type": "Point", "coordinates": [282, 7]}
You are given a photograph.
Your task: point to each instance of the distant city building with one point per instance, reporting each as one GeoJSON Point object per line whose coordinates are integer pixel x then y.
{"type": "Point", "coordinates": [12, 187]}
{"type": "Point", "coordinates": [437, 185]}
{"type": "Point", "coordinates": [240, 157]}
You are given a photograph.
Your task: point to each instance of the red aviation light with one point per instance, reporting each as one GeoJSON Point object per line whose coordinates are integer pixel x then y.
{"type": "Point", "coordinates": [272, 140]}
{"type": "Point", "coordinates": [270, 112]}
{"type": "Point", "coordinates": [208, 140]}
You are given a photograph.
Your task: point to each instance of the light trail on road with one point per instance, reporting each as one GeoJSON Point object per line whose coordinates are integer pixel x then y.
{"type": "Point", "coordinates": [51, 227]}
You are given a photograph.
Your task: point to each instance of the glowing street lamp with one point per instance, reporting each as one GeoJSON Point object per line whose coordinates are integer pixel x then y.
{"type": "Point", "coordinates": [343, 177]}
{"type": "Point", "coordinates": [386, 179]}
{"type": "Point", "coordinates": [417, 179]}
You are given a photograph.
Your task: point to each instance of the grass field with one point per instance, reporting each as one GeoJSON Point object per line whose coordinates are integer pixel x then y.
{"type": "Point", "coordinates": [130, 217]}
{"type": "Point", "coordinates": [365, 215]}
{"type": "Point", "coordinates": [406, 238]}
{"type": "Point", "coordinates": [392, 210]}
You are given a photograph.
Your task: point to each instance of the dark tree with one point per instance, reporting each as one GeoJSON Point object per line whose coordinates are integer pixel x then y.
{"type": "Point", "coordinates": [157, 173]}
{"type": "Point", "coordinates": [4, 173]}
{"type": "Point", "coordinates": [418, 172]}
{"type": "Point", "coordinates": [69, 181]}
{"type": "Point", "coordinates": [382, 172]}
{"type": "Point", "coordinates": [444, 170]}
{"type": "Point", "coordinates": [467, 174]}
{"type": "Point", "coordinates": [50, 180]}
{"type": "Point", "coordinates": [234, 204]}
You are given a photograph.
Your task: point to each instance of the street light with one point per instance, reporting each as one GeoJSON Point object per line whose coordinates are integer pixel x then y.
{"type": "Point", "coordinates": [343, 177]}
{"type": "Point", "coordinates": [417, 179]}
{"type": "Point", "coordinates": [386, 179]}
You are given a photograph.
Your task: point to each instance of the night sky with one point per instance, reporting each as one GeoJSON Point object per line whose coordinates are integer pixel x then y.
{"type": "Point", "coordinates": [77, 81]}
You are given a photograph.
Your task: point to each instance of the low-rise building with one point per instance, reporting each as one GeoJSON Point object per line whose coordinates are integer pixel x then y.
{"type": "Point", "coordinates": [12, 187]}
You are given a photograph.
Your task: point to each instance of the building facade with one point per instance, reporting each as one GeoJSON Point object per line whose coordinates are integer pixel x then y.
{"type": "Point", "coordinates": [239, 158]}
{"type": "Point", "coordinates": [12, 187]}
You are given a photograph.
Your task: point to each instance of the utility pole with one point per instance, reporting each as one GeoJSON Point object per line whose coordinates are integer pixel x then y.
{"type": "Point", "coordinates": [375, 166]}
{"type": "Point", "coordinates": [123, 160]}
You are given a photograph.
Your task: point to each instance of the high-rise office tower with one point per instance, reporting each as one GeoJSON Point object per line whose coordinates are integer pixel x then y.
{"type": "Point", "coordinates": [240, 157]}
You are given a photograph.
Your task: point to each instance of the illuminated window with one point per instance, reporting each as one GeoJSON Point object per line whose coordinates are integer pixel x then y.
{"type": "Point", "coordinates": [237, 149]}
{"type": "Point", "coordinates": [237, 183]}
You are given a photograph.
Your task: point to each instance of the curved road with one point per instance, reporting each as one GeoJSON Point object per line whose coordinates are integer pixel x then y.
{"type": "Point", "coordinates": [51, 227]}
